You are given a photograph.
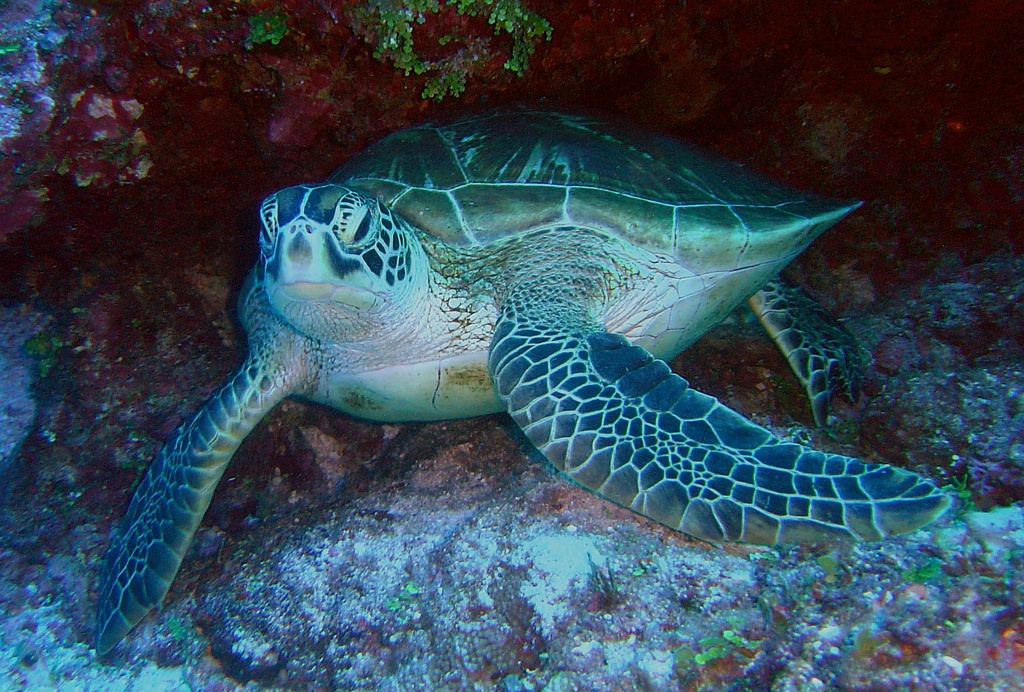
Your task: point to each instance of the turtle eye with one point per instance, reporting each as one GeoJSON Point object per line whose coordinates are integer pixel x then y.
{"type": "Point", "coordinates": [362, 229]}
{"type": "Point", "coordinates": [356, 225]}
{"type": "Point", "coordinates": [268, 223]}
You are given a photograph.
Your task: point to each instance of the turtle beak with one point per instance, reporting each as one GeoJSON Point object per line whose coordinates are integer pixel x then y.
{"type": "Point", "coordinates": [308, 265]}
{"type": "Point", "coordinates": [304, 291]}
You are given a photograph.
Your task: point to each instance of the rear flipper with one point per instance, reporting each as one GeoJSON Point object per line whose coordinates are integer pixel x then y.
{"type": "Point", "coordinates": [822, 355]}
{"type": "Point", "coordinates": [619, 422]}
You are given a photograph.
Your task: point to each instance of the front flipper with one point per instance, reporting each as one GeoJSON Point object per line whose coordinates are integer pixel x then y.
{"type": "Point", "coordinates": [619, 422]}
{"type": "Point", "coordinates": [146, 550]}
{"type": "Point", "coordinates": [822, 355]}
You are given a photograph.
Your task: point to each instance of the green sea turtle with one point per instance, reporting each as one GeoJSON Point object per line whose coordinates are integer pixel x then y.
{"type": "Point", "coordinates": [544, 265]}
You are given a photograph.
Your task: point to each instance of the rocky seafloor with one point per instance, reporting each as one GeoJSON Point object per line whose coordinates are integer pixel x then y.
{"type": "Point", "coordinates": [448, 555]}
{"type": "Point", "coordinates": [136, 139]}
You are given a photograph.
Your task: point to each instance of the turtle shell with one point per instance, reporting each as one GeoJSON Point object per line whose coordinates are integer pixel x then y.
{"type": "Point", "coordinates": [487, 177]}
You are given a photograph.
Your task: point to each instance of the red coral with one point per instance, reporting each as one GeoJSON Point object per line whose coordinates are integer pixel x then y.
{"type": "Point", "coordinates": [99, 141]}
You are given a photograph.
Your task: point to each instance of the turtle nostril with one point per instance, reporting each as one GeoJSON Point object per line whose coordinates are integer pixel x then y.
{"type": "Point", "coordinates": [299, 251]}
{"type": "Point", "coordinates": [308, 228]}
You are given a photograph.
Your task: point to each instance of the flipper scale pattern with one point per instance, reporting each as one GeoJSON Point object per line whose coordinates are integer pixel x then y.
{"type": "Point", "coordinates": [820, 352]}
{"type": "Point", "coordinates": [147, 549]}
{"type": "Point", "coordinates": [678, 456]}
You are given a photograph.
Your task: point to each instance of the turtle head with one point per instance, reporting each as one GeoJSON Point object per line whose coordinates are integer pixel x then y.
{"type": "Point", "coordinates": [329, 255]}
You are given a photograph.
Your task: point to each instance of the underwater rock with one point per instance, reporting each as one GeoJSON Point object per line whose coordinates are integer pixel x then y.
{"type": "Point", "coordinates": [947, 390]}
{"type": "Point", "coordinates": [464, 564]}
{"type": "Point", "coordinates": [28, 37]}
{"type": "Point", "coordinates": [102, 143]}
{"type": "Point", "coordinates": [17, 368]}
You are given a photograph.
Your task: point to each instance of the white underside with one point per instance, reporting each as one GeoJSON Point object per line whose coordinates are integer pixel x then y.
{"type": "Point", "coordinates": [455, 387]}
{"type": "Point", "coordinates": [671, 310]}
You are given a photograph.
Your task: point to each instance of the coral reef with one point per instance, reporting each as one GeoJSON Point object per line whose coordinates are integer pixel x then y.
{"type": "Point", "coordinates": [389, 25]}
{"type": "Point", "coordinates": [27, 100]}
{"type": "Point", "coordinates": [136, 140]}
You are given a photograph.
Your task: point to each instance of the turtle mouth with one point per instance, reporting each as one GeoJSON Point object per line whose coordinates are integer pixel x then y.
{"type": "Point", "coordinates": [327, 292]}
